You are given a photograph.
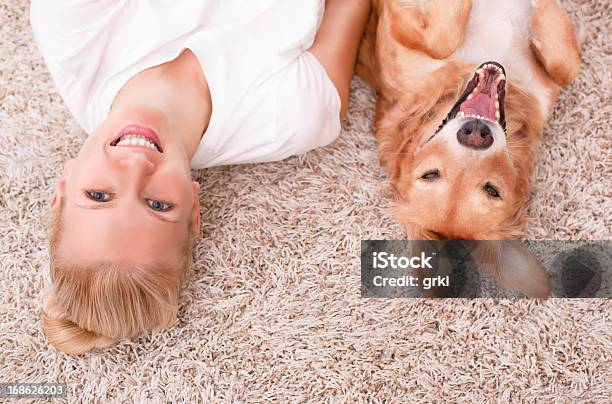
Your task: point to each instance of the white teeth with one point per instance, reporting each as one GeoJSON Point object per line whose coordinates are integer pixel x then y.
{"type": "Point", "coordinates": [461, 114]}
{"type": "Point", "coordinates": [497, 115]}
{"type": "Point", "coordinates": [491, 66]}
{"type": "Point", "coordinates": [497, 105]}
{"type": "Point", "coordinates": [136, 140]}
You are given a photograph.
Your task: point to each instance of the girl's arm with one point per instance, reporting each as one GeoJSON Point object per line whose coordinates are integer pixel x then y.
{"type": "Point", "coordinates": [337, 41]}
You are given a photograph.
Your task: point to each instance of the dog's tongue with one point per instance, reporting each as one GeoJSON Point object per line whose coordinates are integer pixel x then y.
{"type": "Point", "coordinates": [480, 104]}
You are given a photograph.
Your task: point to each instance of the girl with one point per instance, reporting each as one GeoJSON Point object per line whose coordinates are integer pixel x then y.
{"type": "Point", "coordinates": [162, 87]}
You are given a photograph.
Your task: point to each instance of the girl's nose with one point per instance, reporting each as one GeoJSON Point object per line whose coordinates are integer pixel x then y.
{"type": "Point", "coordinates": [137, 163]}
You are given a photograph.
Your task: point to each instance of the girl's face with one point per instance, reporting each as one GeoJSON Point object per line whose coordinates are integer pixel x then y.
{"type": "Point", "coordinates": [127, 204]}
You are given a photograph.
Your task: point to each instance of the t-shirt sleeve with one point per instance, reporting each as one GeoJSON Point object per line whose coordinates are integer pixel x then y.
{"type": "Point", "coordinates": [59, 25]}
{"type": "Point", "coordinates": [64, 30]}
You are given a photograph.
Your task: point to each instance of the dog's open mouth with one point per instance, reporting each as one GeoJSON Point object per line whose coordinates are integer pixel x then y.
{"type": "Point", "coordinates": [483, 97]}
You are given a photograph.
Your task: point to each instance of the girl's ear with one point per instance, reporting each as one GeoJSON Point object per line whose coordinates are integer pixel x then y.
{"type": "Point", "coordinates": [61, 184]}
{"type": "Point", "coordinates": [68, 168]}
{"type": "Point", "coordinates": [195, 218]}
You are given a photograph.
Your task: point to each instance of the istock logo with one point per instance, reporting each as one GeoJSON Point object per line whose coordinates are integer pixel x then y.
{"type": "Point", "coordinates": [383, 260]}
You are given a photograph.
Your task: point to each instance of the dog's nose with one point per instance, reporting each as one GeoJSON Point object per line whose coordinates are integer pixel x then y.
{"type": "Point", "coordinates": [475, 134]}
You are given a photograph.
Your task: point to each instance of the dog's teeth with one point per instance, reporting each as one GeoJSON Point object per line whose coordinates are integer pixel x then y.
{"type": "Point", "coordinates": [497, 115]}
{"type": "Point", "coordinates": [461, 114]}
{"type": "Point", "coordinates": [497, 105]}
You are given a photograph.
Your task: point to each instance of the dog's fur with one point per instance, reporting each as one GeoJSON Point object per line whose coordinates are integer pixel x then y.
{"type": "Point", "coordinates": [419, 56]}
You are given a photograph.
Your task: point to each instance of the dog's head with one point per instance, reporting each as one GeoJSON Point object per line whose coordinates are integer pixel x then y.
{"type": "Point", "coordinates": [462, 180]}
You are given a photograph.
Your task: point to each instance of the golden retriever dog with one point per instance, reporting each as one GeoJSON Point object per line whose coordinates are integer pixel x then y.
{"type": "Point", "coordinates": [464, 90]}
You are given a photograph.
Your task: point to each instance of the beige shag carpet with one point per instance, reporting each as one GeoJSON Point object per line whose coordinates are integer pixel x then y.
{"type": "Point", "coordinates": [272, 310]}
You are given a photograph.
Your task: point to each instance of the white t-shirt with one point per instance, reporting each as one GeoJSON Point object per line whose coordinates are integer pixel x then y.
{"type": "Point", "coordinates": [270, 98]}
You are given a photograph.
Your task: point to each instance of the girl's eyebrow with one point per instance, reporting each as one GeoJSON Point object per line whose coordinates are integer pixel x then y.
{"type": "Point", "coordinates": [108, 205]}
{"type": "Point", "coordinates": [96, 206]}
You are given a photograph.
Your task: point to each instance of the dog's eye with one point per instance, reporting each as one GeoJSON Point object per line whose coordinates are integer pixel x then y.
{"type": "Point", "coordinates": [491, 190]}
{"type": "Point", "coordinates": [431, 175]}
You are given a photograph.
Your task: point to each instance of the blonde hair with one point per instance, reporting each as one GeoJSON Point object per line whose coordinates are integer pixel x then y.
{"type": "Point", "coordinates": [95, 305]}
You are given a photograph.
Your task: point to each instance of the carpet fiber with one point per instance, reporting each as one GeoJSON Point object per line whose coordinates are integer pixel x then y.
{"type": "Point", "coordinates": [272, 307]}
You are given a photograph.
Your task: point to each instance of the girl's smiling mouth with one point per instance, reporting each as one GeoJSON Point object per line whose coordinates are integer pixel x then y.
{"type": "Point", "coordinates": [137, 136]}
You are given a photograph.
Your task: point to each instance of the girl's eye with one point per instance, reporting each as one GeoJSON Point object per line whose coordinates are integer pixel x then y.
{"type": "Point", "coordinates": [98, 196]}
{"type": "Point", "coordinates": [158, 205]}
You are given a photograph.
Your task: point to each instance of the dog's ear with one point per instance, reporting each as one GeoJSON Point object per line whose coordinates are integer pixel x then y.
{"type": "Point", "coordinates": [393, 147]}
{"type": "Point", "coordinates": [395, 129]}
{"type": "Point", "coordinates": [512, 266]}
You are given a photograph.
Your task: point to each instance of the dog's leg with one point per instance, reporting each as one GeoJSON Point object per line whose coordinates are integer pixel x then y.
{"type": "Point", "coordinates": [554, 41]}
{"type": "Point", "coordinates": [436, 29]}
